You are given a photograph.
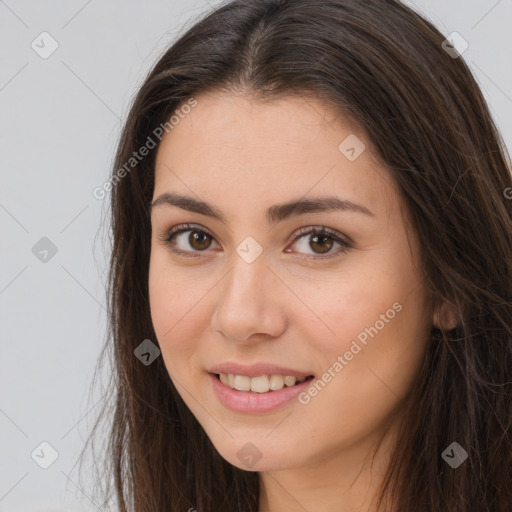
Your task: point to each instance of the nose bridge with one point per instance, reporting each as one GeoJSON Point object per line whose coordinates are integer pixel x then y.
{"type": "Point", "coordinates": [247, 301]}
{"type": "Point", "coordinates": [246, 279]}
{"type": "Point", "coordinates": [248, 268]}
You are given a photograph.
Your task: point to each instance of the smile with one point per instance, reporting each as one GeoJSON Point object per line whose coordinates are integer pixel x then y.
{"type": "Point", "coordinates": [261, 383]}
{"type": "Point", "coordinates": [263, 398]}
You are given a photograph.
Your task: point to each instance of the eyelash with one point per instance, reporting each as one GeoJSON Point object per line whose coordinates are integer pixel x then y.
{"type": "Point", "coordinates": [311, 230]}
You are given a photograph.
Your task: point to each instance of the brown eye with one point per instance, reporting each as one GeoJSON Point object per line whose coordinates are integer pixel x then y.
{"type": "Point", "coordinates": [199, 240]}
{"type": "Point", "coordinates": [318, 243]}
{"type": "Point", "coordinates": [320, 240]}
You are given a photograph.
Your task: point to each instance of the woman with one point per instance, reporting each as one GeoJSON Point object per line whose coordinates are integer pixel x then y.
{"type": "Point", "coordinates": [311, 276]}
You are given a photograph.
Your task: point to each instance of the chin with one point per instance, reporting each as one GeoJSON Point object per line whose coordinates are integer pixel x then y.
{"type": "Point", "coordinates": [257, 455]}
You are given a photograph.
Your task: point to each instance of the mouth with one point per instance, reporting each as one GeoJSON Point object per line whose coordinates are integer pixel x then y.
{"type": "Point", "coordinates": [262, 383]}
{"type": "Point", "coordinates": [258, 394]}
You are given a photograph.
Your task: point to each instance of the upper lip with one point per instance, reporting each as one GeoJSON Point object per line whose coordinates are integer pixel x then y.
{"type": "Point", "coordinates": [255, 370]}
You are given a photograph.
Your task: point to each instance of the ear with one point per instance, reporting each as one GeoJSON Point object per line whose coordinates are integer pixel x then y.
{"type": "Point", "coordinates": [445, 317]}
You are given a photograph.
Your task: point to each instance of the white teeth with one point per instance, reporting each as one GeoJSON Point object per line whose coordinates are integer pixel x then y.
{"type": "Point", "coordinates": [276, 382]}
{"type": "Point", "coordinates": [260, 384]}
{"type": "Point", "coordinates": [242, 383]}
{"type": "Point", "coordinates": [290, 381]}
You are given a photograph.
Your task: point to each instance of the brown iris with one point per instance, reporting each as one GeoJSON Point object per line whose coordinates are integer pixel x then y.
{"type": "Point", "coordinates": [323, 248]}
{"type": "Point", "coordinates": [199, 238]}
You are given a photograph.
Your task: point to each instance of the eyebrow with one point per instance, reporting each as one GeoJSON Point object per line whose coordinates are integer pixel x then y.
{"type": "Point", "coordinates": [275, 213]}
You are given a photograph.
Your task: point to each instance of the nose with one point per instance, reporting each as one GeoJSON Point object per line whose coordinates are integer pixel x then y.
{"type": "Point", "coordinates": [251, 304]}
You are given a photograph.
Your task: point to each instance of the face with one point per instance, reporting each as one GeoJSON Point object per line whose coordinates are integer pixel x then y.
{"type": "Point", "coordinates": [245, 291]}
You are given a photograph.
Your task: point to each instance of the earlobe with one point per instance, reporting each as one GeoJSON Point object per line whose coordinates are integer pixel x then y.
{"type": "Point", "coordinates": [445, 317]}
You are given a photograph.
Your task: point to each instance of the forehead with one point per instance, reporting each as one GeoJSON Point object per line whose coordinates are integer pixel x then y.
{"type": "Point", "coordinates": [234, 147]}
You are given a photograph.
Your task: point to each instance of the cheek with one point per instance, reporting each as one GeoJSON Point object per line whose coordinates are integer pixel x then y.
{"type": "Point", "coordinates": [342, 304]}
{"type": "Point", "coordinates": [365, 386]}
{"type": "Point", "coordinates": [175, 304]}
{"type": "Point", "coordinates": [171, 293]}
{"type": "Point", "coordinates": [160, 297]}
{"type": "Point", "coordinates": [373, 314]}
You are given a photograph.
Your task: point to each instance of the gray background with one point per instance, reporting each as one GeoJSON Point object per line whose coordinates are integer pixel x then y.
{"type": "Point", "coordinates": [60, 120]}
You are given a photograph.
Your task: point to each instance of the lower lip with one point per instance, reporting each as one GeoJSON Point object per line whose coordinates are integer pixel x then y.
{"type": "Point", "coordinates": [251, 402]}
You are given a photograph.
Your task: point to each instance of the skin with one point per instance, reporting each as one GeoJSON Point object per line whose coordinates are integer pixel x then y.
{"type": "Point", "coordinates": [243, 156]}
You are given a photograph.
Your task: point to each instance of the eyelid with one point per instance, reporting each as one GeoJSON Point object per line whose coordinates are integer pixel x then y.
{"type": "Point", "coordinates": [189, 227]}
{"type": "Point", "coordinates": [343, 240]}
{"type": "Point", "coordinates": [181, 228]}
{"type": "Point", "coordinates": [320, 228]}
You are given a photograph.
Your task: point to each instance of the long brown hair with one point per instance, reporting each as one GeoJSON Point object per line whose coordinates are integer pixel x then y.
{"type": "Point", "coordinates": [384, 65]}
